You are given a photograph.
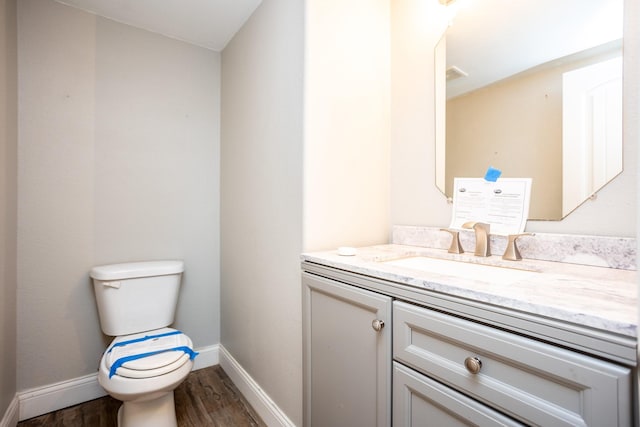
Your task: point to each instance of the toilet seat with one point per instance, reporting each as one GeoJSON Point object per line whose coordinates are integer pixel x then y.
{"type": "Point", "coordinates": [148, 354]}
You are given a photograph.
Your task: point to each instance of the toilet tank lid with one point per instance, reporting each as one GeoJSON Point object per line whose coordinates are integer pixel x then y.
{"type": "Point", "coordinates": [131, 270]}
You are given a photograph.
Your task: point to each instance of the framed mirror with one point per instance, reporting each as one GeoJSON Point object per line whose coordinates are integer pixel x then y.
{"type": "Point", "coordinates": [533, 88]}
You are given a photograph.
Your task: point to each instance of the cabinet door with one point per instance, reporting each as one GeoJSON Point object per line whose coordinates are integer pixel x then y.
{"type": "Point", "coordinates": [419, 401]}
{"type": "Point", "coordinates": [347, 362]}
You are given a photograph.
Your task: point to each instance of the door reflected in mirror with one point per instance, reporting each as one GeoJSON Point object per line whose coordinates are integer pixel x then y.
{"type": "Point", "coordinates": [534, 90]}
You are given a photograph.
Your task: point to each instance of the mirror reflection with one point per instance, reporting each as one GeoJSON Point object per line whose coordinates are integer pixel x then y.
{"type": "Point", "coordinates": [533, 88]}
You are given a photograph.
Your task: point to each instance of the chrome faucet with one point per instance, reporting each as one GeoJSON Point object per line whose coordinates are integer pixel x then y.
{"type": "Point", "coordinates": [482, 237]}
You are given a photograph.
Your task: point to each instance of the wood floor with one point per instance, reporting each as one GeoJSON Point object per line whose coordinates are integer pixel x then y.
{"type": "Point", "coordinates": [206, 398]}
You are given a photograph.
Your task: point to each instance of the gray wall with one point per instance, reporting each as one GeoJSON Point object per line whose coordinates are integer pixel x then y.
{"type": "Point", "coordinates": [261, 204]}
{"type": "Point", "coordinates": [8, 194]}
{"type": "Point", "coordinates": [118, 161]}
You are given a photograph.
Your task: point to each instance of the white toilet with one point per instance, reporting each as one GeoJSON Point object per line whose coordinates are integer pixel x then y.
{"type": "Point", "coordinates": [147, 360]}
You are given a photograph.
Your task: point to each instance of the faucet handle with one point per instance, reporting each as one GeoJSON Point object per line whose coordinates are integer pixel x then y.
{"type": "Point", "coordinates": [512, 253]}
{"type": "Point", "coordinates": [456, 247]}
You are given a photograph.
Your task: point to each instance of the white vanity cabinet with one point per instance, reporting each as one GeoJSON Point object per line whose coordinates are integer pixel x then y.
{"type": "Point", "coordinates": [347, 355]}
{"type": "Point", "coordinates": [449, 361]}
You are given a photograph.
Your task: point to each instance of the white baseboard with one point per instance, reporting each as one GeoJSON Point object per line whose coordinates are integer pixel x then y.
{"type": "Point", "coordinates": [48, 398]}
{"type": "Point", "coordinates": [270, 413]}
{"type": "Point", "coordinates": [10, 418]}
{"type": "Point", "coordinates": [41, 400]}
{"type": "Point", "coordinates": [207, 356]}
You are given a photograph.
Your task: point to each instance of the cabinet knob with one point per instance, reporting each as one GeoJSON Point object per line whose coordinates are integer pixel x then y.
{"type": "Point", "coordinates": [473, 364]}
{"type": "Point", "coordinates": [377, 325]}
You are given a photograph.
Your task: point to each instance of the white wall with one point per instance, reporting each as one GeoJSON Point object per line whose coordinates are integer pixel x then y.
{"type": "Point", "coordinates": [415, 199]}
{"type": "Point", "coordinates": [8, 189]}
{"type": "Point", "coordinates": [416, 28]}
{"type": "Point", "coordinates": [118, 161]}
{"type": "Point", "coordinates": [261, 204]}
{"type": "Point", "coordinates": [346, 123]}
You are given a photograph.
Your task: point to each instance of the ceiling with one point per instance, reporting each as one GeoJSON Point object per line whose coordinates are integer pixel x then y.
{"type": "Point", "coordinates": [493, 39]}
{"type": "Point", "coordinates": [206, 23]}
{"type": "Point", "coordinates": [488, 39]}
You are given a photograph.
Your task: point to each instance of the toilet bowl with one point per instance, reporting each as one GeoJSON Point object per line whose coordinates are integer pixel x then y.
{"type": "Point", "coordinates": [147, 359]}
{"type": "Point", "coordinates": [142, 370]}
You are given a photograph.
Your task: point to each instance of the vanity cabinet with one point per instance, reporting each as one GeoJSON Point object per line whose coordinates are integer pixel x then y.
{"type": "Point", "coordinates": [450, 362]}
{"type": "Point", "coordinates": [347, 355]}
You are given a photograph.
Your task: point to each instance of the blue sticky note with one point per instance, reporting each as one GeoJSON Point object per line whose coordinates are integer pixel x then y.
{"type": "Point", "coordinates": [492, 174]}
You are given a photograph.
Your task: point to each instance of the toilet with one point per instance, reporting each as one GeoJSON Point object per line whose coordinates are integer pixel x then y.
{"type": "Point", "coordinates": [147, 359]}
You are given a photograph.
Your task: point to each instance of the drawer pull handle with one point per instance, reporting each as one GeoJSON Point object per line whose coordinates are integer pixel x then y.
{"type": "Point", "coordinates": [473, 364]}
{"type": "Point", "coordinates": [377, 325]}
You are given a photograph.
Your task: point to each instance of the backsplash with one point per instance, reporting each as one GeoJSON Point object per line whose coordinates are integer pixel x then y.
{"type": "Point", "coordinates": [597, 251]}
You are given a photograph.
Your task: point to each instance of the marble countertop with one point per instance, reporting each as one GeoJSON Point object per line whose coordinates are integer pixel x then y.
{"type": "Point", "coordinates": [599, 297]}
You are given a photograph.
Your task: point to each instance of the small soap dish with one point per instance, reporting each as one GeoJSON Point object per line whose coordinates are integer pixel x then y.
{"type": "Point", "coordinates": [346, 251]}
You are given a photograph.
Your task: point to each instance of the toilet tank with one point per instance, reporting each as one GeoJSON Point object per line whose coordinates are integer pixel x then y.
{"type": "Point", "coordinates": [137, 296]}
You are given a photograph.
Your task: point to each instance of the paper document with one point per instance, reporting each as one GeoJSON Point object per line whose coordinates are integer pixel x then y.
{"type": "Point", "coordinates": [503, 204]}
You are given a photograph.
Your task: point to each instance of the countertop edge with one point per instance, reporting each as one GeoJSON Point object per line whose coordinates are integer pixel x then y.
{"type": "Point", "coordinates": [368, 263]}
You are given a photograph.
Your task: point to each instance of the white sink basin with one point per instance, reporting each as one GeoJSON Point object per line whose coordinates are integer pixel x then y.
{"type": "Point", "coordinates": [466, 270]}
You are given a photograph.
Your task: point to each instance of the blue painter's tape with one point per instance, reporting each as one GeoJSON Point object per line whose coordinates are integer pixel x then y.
{"type": "Point", "coordinates": [145, 338]}
{"type": "Point", "coordinates": [192, 355]}
{"type": "Point", "coordinates": [492, 174]}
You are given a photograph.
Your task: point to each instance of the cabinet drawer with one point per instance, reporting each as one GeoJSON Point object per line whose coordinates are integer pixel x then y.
{"type": "Point", "coordinates": [537, 383]}
{"type": "Point", "coordinates": [420, 401]}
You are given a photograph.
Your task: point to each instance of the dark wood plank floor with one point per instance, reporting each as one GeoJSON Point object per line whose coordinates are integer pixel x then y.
{"type": "Point", "coordinates": [206, 398]}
